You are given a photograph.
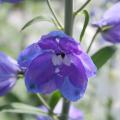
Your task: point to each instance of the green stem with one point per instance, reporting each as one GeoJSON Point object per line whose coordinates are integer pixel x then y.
{"type": "Point", "coordinates": [81, 8]}
{"type": "Point", "coordinates": [43, 101]}
{"type": "Point", "coordinates": [54, 116]}
{"type": "Point", "coordinates": [68, 17]}
{"type": "Point", "coordinates": [68, 30]}
{"type": "Point", "coordinates": [54, 15]}
{"type": "Point", "coordinates": [96, 33]}
{"type": "Point", "coordinates": [65, 110]}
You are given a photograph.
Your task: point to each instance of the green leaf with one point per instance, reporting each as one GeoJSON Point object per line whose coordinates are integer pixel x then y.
{"type": "Point", "coordinates": [34, 20]}
{"type": "Point", "coordinates": [21, 108]}
{"type": "Point", "coordinates": [103, 55]}
{"type": "Point", "coordinates": [86, 14]}
{"type": "Point", "coordinates": [11, 97]}
{"type": "Point", "coordinates": [54, 99]}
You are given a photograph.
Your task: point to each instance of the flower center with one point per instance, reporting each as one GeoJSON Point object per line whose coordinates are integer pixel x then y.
{"type": "Point", "coordinates": [62, 54]}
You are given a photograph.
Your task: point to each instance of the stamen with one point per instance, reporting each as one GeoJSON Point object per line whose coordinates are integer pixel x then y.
{"type": "Point", "coordinates": [62, 54]}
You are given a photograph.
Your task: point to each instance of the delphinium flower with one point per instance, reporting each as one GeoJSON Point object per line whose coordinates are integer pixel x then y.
{"type": "Point", "coordinates": [10, 1]}
{"type": "Point", "coordinates": [58, 64]}
{"type": "Point", "coordinates": [28, 55]}
{"type": "Point", "coordinates": [109, 24]}
{"type": "Point", "coordinates": [8, 73]}
{"type": "Point", "coordinates": [74, 113]}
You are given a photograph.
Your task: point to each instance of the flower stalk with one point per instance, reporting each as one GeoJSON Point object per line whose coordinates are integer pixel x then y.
{"type": "Point", "coordinates": [68, 29]}
{"type": "Point", "coordinates": [96, 33]}
{"type": "Point", "coordinates": [68, 17]}
{"type": "Point", "coordinates": [43, 101]}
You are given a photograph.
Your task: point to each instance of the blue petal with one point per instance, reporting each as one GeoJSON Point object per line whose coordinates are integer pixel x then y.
{"type": "Point", "coordinates": [88, 64]}
{"type": "Point", "coordinates": [28, 54]}
{"type": "Point", "coordinates": [111, 18]}
{"type": "Point", "coordinates": [49, 44]}
{"type": "Point", "coordinates": [58, 41]}
{"type": "Point", "coordinates": [39, 76]}
{"type": "Point", "coordinates": [74, 70]}
{"type": "Point", "coordinates": [9, 62]}
{"type": "Point", "coordinates": [8, 73]}
{"type": "Point", "coordinates": [7, 84]}
{"type": "Point", "coordinates": [70, 91]}
{"type": "Point", "coordinates": [74, 84]}
{"type": "Point", "coordinates": [112, 35]}
{"type": "Point", "coordinates": [57, 33]}
{"type": "Point", "coordinates": [69, 45]}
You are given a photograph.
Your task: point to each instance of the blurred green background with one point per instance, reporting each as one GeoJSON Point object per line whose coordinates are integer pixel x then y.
{"type": "Point", "coordinates": [102, 98]}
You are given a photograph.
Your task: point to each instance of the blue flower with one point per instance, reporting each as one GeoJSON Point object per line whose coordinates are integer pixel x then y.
{"type": "Point", "coordinates": [74, 113]}
{"type": "Point", "coordinates": [8, 73]}
{"type": "Point", "coordinates": [111, 23]}
{"type": "Point", "coordinates": [58, 64]}
{"type": "Point", "coordinates": [27, 55]}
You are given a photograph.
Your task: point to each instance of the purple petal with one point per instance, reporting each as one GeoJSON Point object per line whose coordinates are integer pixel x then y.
{"type": "Point", "coordinates": [112, 35]}
{"type": "Point", "coordinates": [50, 41]}
{"type": "Point", "coordinates": [112, 15]}
{"type": "Point", "coordinates": [69, 45]}
{"type": "Point", "coordinates": [8, 73]}
{"type": "Point", "coordinates": [40, 74]}
{"type": "Point", "coordinates": [74, 80]}
{"type": "Point", "coordinates": [111, 18]}
{"type": "Point", "coordinates": [9, 62]}
{"type": "Point", "coordinates": [88, 64]}
{"type": "Point", "coordinates": [49, 44]}
{"type": "Point", "coordinates": [71, 92]}
{"type": "Point", "coordinates": [58, 41]}
{"type": "Point", "coordinates": [28, 54]}
{"type": "Point", "coordinates": [74, 71]}
{"type": "Point", "coordinates": [7, 84]}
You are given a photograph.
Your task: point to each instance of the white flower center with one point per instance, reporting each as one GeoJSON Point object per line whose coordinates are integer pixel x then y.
{"type": "Point", "coordinates": [57, 70]}
{"type": "Point", "coordinates": [59, 59]}
{"type": "Point", "coordinates": [57, 40]}
{"type": "Point", "coordinates": [56, 60]}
